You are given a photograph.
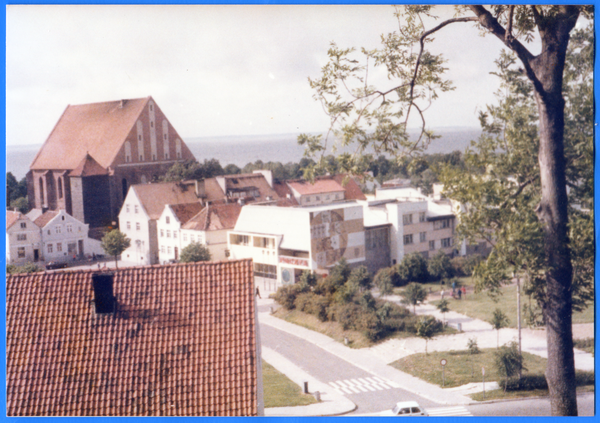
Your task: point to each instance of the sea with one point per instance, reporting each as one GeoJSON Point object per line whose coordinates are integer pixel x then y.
{"type": "Point", "coordinates": [241, 150]}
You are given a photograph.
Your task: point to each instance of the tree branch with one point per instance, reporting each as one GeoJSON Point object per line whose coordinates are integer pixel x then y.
{"type": "Point", "coordinates": [518, 191]}
{"type": "Point", "coordinates": [509, 36]}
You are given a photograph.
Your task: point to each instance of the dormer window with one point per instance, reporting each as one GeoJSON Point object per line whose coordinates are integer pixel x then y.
{"type": "Point", "coordinates": [168, 220]}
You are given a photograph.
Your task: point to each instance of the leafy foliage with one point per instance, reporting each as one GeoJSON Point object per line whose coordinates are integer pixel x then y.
{"type": "Point", "coordinates": [509, 361]}
{"type": "Point", "coordinates": [440, 266]}
{"type": "Point", "coordinates": [383, 280]}
{"type": "Point", "coordinates": [194, 252]}
{"type": "Point", "coordinates": [414, 294]}
{"type": "Point", "coordinates": [21, 204]}
{"type": "Point", "coordinates": [26, 268]}
{"type": "Point", "coordinates": [499, 321]}
{"type": "Point", "coordinates": [114, 243]}
{"type": "Point", "coordinates": [427, 327]}
{"type": "Point", "coordinates": [15, 189]}
{"type": "Point", "coordinates": [413, 268]}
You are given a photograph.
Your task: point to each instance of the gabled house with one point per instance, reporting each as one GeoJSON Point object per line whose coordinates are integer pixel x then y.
{"type": "Point", "coordinates": [177, 340]}
{"type": "Point", "coordinates": [63, 237]}
{"type": "Point", "coordinates": [169, 229]}
{"type": "Point", "coordinates": [323, 190]}
{"type": "Point", "coordinates": [96, 151]}
{"type": "Point", "coordinates": [141, 210]}
{"type": "Point", "coordinates": [23, 239]}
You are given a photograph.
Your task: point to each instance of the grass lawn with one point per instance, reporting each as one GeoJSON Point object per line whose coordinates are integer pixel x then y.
{"type": "Point", "coordinates": [435, 287]}
{"type": "Point", "coordinates": [334, 329]}
{"type": "Point", "coordinates": [461, 367]}
{"type": "Point", "coordinates": [481, 306]}
{"type": "Point", "coordinates": [586, 344]}
{"type": "Point", "coordinates": [279, 391]}
{"type": "Point", "coordinates": [500, 394]}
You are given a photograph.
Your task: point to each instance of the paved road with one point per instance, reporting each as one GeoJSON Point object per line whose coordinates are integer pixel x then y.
{"type": "Point", "coordinates": [369, 393]}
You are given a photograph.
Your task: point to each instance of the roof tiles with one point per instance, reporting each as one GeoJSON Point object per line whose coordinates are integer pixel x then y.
{"type": "Point", "coordinates": [181, 343]}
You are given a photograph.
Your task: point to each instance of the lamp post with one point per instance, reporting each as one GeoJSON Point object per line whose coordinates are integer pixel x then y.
{"type": "Point", "coordinates": [516, 275]}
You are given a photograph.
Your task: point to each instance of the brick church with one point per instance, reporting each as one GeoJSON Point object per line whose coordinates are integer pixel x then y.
{"type": "Point", "coordinates": [96, 151]}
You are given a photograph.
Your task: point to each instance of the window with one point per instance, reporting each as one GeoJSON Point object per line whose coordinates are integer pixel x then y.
{"type": "Point", "coordinates": [136, 209]}
{"type": "Point", "coordinates": [69, 228]}
{"type": "Point", "coordinates": [138, 226]}
{"type": "Point", "coordinates": [168, 234]}
{"type": "Point", "coordinates": [168, 220]}
{"type": "Point", "coordinates": [128, 225]}
{"type": "Point", "coordinates": [21, 237]}
{"type": "Point", "coordinates": [192, 238]}
{"type": "Point", "coordinates": [407, 219]}
{"type": "Point", "coordinates": [265, 271]}
{"type": "Point", "coordinates": [240, 239]}
{"type": "Point", "coordinates": [162, 249]}
{"type": "Point", "coordinates": [446, 242]}
{"type": "Point", "coordinates": [423, 236]}
{"type": "Point", "coordinates": [127, 208]}
{"type": "Point", "coordinates": [21, 252]}
{"type": "Point", "coordinates": [174, 234]}
{"type": "Point", "coordinates": [59, 247]}
{"type": "Point", "coordinates": [49, 232]}
{"type": "Point", "coordinates": [431, 245]}
{"type": "Point", "coordinates": [50, 248]}
{"type": "Point", "coordinates": [408, 239]}
{"type": "Point", "coordinates": [169, 250]}
{"type": "Point", "coordinates": [185, 237]}
{"type": "Point", "coordinates": [151, 107]}
{"type": "Point", "coordinates": [23, 225]}
{"type": "Point", "coordinates": [162, 233]}
{"type": "Point", "coordinates": [317, 198]}
{"type": "Point", "coordinates": [422, 217]}
{"type": "Point", "coordinates": [441, 224]}
{"type": "Point", "coordinates": [262, 242]}
{"type": "Point", "coordinates": [58, 229]}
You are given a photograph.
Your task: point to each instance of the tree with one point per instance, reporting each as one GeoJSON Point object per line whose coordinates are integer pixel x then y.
{"type": "Point", "coordinates": [413, 268]}
{"type": "Point", "coordinates": [114, 243]}
{"type": "Point", "coordinates": [367, 117]}
{"type": "Point", "coordinates": [21, 204]}
{"type": "Point", "coordinates": [440, 267]}
{"type": "Point", "coordinates": [15, 189]}
{"type": "Point", "coordinates": [309, 278]}
{"type": "Point", "coordinates": [413, 294]}
{"type": "Point", "coordinates": [508, 361]}
{"type": "Point", "coordinates": [361, 277]}
{"type": "Point", "coordinates": [194, 252]}
{"type": "Point", "coordinates": [383, 280]}
{"type": "Point", "coordinates": [427, 327]}
{"type": "Point", "coordinates": [443, 307]}
{"type": "Point", "coordinates": [499, 321]}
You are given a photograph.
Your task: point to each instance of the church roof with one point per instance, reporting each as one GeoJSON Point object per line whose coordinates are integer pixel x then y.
{"type": "Point", "coordinates": [88, 167]}
{"type": "Point", "coordinates": [97, 129]}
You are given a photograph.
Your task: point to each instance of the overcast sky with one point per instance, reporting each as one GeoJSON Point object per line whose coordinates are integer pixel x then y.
{"type": "Point", "coordinates": [213, 70]}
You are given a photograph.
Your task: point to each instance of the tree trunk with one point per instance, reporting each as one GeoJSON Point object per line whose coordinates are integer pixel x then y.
{"type": "Point", "coordinates": [116, 265]}
{"type": "Point", "coordinates": [552, 211]}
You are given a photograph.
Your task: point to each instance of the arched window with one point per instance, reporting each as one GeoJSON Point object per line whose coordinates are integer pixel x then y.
{"type": "Point", "coordinates": [42, 199]}
{"type": "Point", "coordinates": [165, 130]}
{"type": "Point", "coordinates": [140, 134]}
{"type": "Point", "coordinates": [124, 185]}
{"type": "Point", "coordinates": [127, 151]}
{"type": "Point", "coordinates": [60, 187]}
{"type": "Point", "coordinates": [178, 148]}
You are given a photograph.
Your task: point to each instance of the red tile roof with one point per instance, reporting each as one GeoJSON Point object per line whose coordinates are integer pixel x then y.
{"type": "Point", "coordinates": [99, 129]}
{"type": "Point", "coordinates": [88, 167]}
{"type": "Point", "coordinates": [215, 217]}
{"type": "Point", "coordinates": [154, 197]}
{"type": "Point", "coordinates": [181, 343]}
{"type": "Point", "coordinates": [353, 191]}
{"type": "Point", "coordinates": [11, 218]}
{"type": "Point", "coordinates": [185, 212]}
{"type": "Point", "coordinates": [46, 217]}
{"type": "Point", "coordinates": [320, 186]}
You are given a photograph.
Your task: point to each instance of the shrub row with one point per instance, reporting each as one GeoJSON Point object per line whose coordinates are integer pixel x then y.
{"type": "Point", "coordinates": [531, 382]}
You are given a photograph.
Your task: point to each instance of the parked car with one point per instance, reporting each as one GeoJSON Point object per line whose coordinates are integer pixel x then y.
{"type": "Point", "coordinates": [56, 265]}
{"type": "Point", "coordinates": [406, 409]}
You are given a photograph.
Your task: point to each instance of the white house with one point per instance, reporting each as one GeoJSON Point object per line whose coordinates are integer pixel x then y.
{"type": "Point", "coordinates": [169, 229]}
{"type": "Point", "coordinates": [285, 241]}
{"type": "Point", "coordinates": [143, 206]}
{"type": "Point", "coordinates": [23, 239]}
{"type": "Point", "coordinates": [64, 237]}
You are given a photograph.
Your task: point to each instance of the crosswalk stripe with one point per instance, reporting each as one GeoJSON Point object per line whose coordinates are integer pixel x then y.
{"type": "Point", "coordinates": [378, 385]}
{"type": "Point", "coordinates": [348, 385]}
{"type": "Point", "coordinates": [340, 389]}
{"type": "Point", "coordinates": [359, 385]}
{"type": "Point", "coordinates": [366, 384]}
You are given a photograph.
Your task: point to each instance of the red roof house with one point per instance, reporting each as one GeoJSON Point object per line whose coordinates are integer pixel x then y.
{"type": "Point", "coordinates": [177, 340]}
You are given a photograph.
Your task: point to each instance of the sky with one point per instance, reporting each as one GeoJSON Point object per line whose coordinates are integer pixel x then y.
{"type": "Point", "coordinates": [213, 70]}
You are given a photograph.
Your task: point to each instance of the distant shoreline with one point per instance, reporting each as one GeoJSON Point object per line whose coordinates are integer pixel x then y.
{"type": "Point", "coordinates": [243, 149]}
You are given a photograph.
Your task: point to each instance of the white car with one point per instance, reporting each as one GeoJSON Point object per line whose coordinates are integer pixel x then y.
{"type": "Point", "coordinates": [406, 409]}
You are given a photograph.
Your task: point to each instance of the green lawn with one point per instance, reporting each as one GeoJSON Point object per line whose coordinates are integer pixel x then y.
{"type": "Point", "coordinates": [481, 306]}
{"type": "Point", "coordinates": [461, 367]}
{"type": "Point", "coordinates": [279, 391]}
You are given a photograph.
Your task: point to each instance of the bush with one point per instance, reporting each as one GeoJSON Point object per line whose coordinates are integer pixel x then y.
{"type": "Point", "coordinates": [369, 325]}
{"type": "Point", "coordinates": [361, 277]}
{"type": "Point", "coordinates": [463, 266]}
{"type": "Point", "coordinates": [347, 314]}
{"type": "Point", "coordinates": [317, 306]}
{"type": "Point", "coordinates": [302, 300]}
{"type": "Point", "coordinates": [26, 268]}
{"type": "Point", "coordinates": [583, 378]}
{"type": "Point", "coordinates": [526, 383]}
{"type": "Point", "coordinates": [439, 267]}
{"type": "Point", "coordinates": [385, 279]}
{"type": "Point", "coordinates": [286, 296]}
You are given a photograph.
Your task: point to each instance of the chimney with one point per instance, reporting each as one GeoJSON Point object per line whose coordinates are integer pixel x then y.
{"type": "Point", "coordinates": [200, 189]}
{"type": "Point", "coordinates": [122, 103]}
{"type": "Point", "coordinates": [104, 300]}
